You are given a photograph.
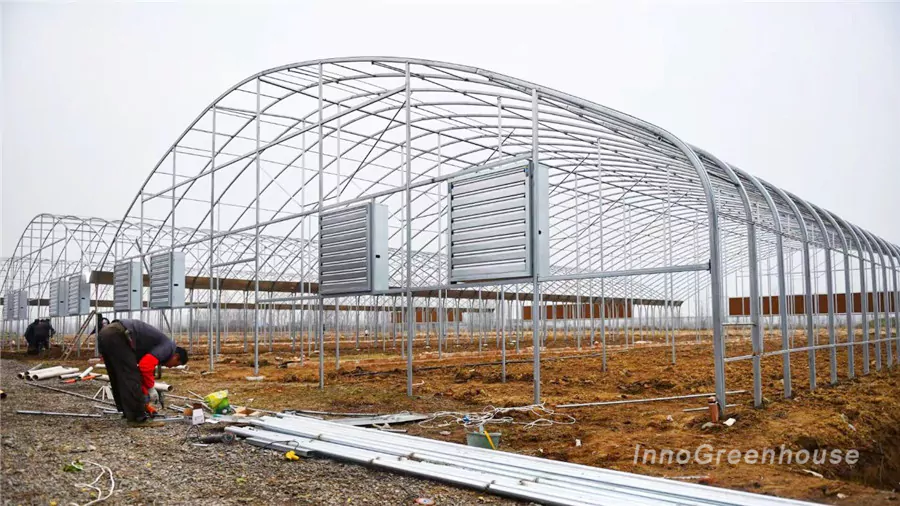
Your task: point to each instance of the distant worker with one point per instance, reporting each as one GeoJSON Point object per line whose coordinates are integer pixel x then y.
{"type": "Point", "coordinates": [103, 323]}
{"type": "Point", "coordinates": [43, 331]}
{"type": "Point", "coordinates": [131, 350]}
{"type": "Point", "coordinates": [29, 337]}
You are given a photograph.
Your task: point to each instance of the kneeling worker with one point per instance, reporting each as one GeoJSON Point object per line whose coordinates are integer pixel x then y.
{"type": "Point", "coordinates": [131, 350]}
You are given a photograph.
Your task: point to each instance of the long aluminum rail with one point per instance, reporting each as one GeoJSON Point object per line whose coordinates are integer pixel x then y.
{"type": "Point", "coordinates": [506, 474]}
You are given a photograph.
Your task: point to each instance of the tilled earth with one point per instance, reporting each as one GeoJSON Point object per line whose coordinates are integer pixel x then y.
{"type": "Point", "coordinates": [157, 466]}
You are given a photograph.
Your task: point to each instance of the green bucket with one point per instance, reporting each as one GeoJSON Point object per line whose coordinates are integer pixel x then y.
{"type": "Point", "coordinates": [479, 440]}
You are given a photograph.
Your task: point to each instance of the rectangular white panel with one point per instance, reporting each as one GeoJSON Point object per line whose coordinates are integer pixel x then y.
{"type": "Point", "coordinates": [52, 298]}
{"type": "Point", "coordinates": [79, 298]}
{"type": "Point", "coordinates": [9, 306]}
{"type": "Point", "coordinates": [540, 198]}
{"type": "Point", "coordinates": [378, 248]}
{"type": "Point", "coordinates": [127, 289]}
{"type": "Point", "coordinates": [167, 280]}
{"type": "Point", "coordinates": [22, 304]}
{"type": "Point", "coordinates": [353, 249]}
{"type": "Point", "coordinates": [62, 297]}
{"type": "Point", "coordinates": [491, 225]}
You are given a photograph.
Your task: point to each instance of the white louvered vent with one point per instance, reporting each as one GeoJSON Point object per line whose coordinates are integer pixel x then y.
{"type": "Point", "coordinates": [353, 250]}
{"type": "Point", "coordinates": [78, 300]}
{"type": "Point", "coordinates": [491, 222]}
{"type": "Point", "coordinates": [54, 297]}
{"type": "Point", "coordinates": [127, 289]}
{"type": "Point", "coordinates": [167, 280]}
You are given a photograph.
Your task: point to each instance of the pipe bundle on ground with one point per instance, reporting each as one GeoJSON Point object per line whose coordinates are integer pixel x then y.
{"type": "Point", "coordinates": [47, 373]}
{"type": "Point", "coordinates": [508, 474]}
{"type": "Point", "coordinates": [159, 386]}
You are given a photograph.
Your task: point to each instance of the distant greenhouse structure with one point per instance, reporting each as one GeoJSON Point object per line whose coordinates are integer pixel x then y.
{"type": "Point", "coordinates": [335, 200]}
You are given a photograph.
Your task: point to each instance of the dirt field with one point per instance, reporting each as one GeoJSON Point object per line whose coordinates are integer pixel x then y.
{"type": "Point", "coordinates": [157, 466]}
{"type": "Point", "coordinates": [862, 414]}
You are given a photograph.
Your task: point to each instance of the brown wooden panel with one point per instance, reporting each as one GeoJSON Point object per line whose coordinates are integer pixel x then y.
{"type": "Point", "coordinates": [561, 312]}
{"type": "Point", "coordinates": [740, 306]}
{"type": "Point", "coordinates": [452, 314]}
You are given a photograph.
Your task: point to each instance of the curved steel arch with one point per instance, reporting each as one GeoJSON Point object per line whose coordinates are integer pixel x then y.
{"type": "Point", "coordinates": [645, 199]}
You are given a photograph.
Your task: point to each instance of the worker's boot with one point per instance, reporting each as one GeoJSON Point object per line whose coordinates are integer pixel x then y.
{"type": "Point", "coordinates": [146, 422]}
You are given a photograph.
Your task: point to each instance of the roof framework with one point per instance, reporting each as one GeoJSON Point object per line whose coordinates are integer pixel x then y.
{"type": "Point", "coordinates": [633, 208]}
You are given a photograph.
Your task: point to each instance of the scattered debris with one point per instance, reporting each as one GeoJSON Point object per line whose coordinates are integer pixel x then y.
{"type": "Point", "coordinates": [817, 475]}
{"type": "Point", "coordinates": [74, 467]}
{"type": "Point", "coordinates": [100, 496]}
{"type": "Point", "coordinates": [707, 425]}
{"type": "Point", "coordinates": [695, 477]}
{"type": "Point", "coordinates": [577, 443]}
{"type": "Point", "coordinates": [218, 402]}
{"type": "Point", "coordinates": [291, 455]}
{"type": "Point", "coordinates": [70, 393]}
{"type": "Point", "coordinates": [224, 437]}
{"type": "Point", "coordinates": [483, 439]}
{"type": "Point", "coordinates": [543, 417]}
{"type": "Point", "coordinates": [713, 409]}
{"type": "Point", "coordinates": [381, 420]}
{"type": "Point", "coordinates": [53, 413]}
{"type": "Point", "coordinates": [844, 418]}
{"type": "Point", "coordinates": [424, 500]}
{"type": "Point", "coordinates": [729, 422]}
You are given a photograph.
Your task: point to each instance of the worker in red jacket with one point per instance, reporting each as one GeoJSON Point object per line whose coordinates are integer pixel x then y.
{"type": "Point", "coordinates": [131, 350]}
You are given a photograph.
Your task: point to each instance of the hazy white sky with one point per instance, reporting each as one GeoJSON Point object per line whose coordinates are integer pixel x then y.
{"type": "Point", "coordinates": [806, 96]}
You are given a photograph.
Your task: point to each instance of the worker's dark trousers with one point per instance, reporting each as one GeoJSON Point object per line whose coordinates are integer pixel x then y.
{"type": "Point", "coordinates": [124, 375]}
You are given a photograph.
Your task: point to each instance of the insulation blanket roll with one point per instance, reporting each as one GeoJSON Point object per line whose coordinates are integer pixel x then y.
{"type": "Point", "coordinates": [506, 474]}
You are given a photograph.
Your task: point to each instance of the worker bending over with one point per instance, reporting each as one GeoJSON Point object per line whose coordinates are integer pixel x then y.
{"type": "Point", "coordinates": [131, 350]}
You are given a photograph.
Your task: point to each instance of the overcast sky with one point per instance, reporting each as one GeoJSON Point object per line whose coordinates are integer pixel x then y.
{"type": "Point", "coordinates": [806, 96]}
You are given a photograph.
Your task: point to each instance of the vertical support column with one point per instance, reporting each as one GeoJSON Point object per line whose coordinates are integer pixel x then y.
{"type": "Point", "coordinates": [536, 286]}
{"type": "Point", "coordinates": [410, 313]}
{"type": "Point", "coordinates": [811, 340]}
{"type": "Point", "coordinates": [602, 280]}
{"type": "Point", "coordinates": [337, 333]}
{"type": "Point", "coordinates": [848, 295]}
{"type": "Point", "coordinates": [442, 307]}
{"type": "Point", "coordinates": [755, 319]}
{"type": "Point", "coordinates": [877, 340]}
{"type": "Point", "coordinates": [882, 299]}
{"type": "Point", "coordinates": [885, 307]}
{"type": "Point", "coordinates": [670, 290]}
{"type": "Point", "coordinates": [782, 295]}
{"type": "Point", "coordinates": [320, 314]}
{"type": "Point", "coordinates": [864, 303]}
{"type": "Point", "coordinates": [291, 326]}
{"type": "Point", "coordinates": [212, 232]}
{"type": "Point", "coordinates": [577, 313]}
{"type": "Point", "coordinates": [502, 336]}
{"type": "Point", "coordinates": [256, 243]}
{"type": "Point", "coordinates": [244, 319]}
{"type": "Point", "coordinates": [756, 324]}
{"type": "Point", "coordinates": [829, 287]}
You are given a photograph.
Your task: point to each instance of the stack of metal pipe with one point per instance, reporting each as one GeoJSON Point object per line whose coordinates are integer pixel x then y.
{"type": "Point", "coordinates": [48, 372]}
{"type": "Point", "coordinates": [501, 473]}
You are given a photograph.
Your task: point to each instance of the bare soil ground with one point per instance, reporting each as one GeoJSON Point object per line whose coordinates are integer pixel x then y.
{"type": "Point", "coordinates": [156, 466]}
{"type": "Point", "coordinates": [862, 413]}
